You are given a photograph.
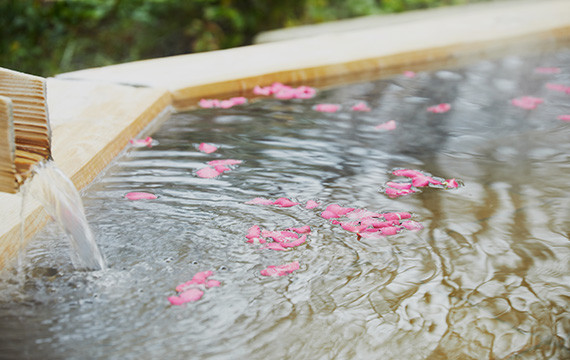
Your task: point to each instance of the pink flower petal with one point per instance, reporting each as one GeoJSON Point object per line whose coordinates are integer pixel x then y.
{"type": "Point", "coordinates": [209, 103]}
{"type": "Point", "coordinates": [260, 201]}
{"type": "Point", "coordinates": [295, 242]}
{"type": "Point", "coordinates": [225, 162]}
{"type": "Point", "coordinates": [547, 70]}
{"type": "Point", "coordinates": [141, 142]}
{"type": "Point", "coordinates": [284, 202]}
{"type": "Point", "coordinates": [305, 92]}
{"type": "Point", "coordinates": [212, 283]}
{"type": "Point", "coordinates": [140, 196]}
{"type": "Point", "coordinates": [563, 117]}
{"type": "Point", "coordinates": [353, 226]}
{"type": "Point", "coordinates": [301, 230]}
{"type": "Point", "coordinates": [277, 86]}
{"type": "Point", "coordinates": [197, 279]}
{"type": "Point", "coordinates": [190, 295]}
{"type": "Point", "coordinates": [361, 106]}
{"type": "Point", "coordinates": [330, 108]}
{"type": "Point", "coordinates": [397, 216]}
{"type": "Point", "coordinates": [424, 180]}
{"type": "Point", "coordinates": [440, 108]}
{"type": "Point", "coordinates": [329, 214]}
{"type": "Point", "coordinates": [311, 204]}
{"type": "Point", "coordinates": [388, 125]}
{"type": "Point", "coordinates": [285, 94]}
{"type": "Point", "coordinates": [281, 270]}
{"type": "Point", "coordinates": [527, 102]}
{"type": "Point", "coordinates": [362, 214]}
{"type": "Point", "coordinates": [253, 232]}
{"type": "Point", "coordinates": [452, 183]}
{"type": "Point", "coordinates": [412, 225]}
{"type": "Point", "coordinates": [275, 246]}
{"type": "Point", "coordinates": [399, 185]}
{"type": "Point", "coordinates": [265, 91]}
{"type": "Point", "coordinates": [557, 87]}
{"type": "Point", "coordinates": [395, 192]}
{"type": "Point", "coordinates": [409, 74]}
{"type": "Point", "coordinates": [226, 104]}
{"type": "Point", "coordinates": [220, 168]}
{"type": "Point", "coordinates": [406, 173]}
{"type": "Point", "coordinates": [339, 210]}
{"type": "Point", "coordinates": [207, 173]}
{"type": "Point", "coordinates": [207, 148]}
{"type": "Point", "coordinates": [238, 100]}
{"type": "Point", "coordinates": [377, 224]}
{"type": "Point", "coordinates": [389, 230]}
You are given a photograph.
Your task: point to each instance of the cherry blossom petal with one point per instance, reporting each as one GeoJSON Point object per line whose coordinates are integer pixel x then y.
{"type": "Point", "coordinates": [424, 180]}
{"type": "Point", "coordinates": [557, 87]}
{"type": "Point", "coordinates": [305, 92]}
{"type": "Point", "coordinates": [197, 279]}
{"type": "Point", "coordinates": [547, 70]}
{"type": "Point", "coordinates": [397, 215]}
{"type": "Point", "coordinates": [253, 232]}
{"type": "Point", "coordinates": [284, 202]}
{"type": "Point", "coordinates": [260, 201]}
{"type": "Point", "coordinates": [329, 108]}
{"type": "Point", "coordinates": [212, 283]}
{"type": "Point", "coordinates": [238, 100]}
{"type": "Point", "coordinates": [209, 103]}
{"type": "Point", "coordinates": [207, 148]}
{"type": "Point", "coordinates": [353, 226]}
{"type": "Point", "coordinates": [389, 230]}
{"type": "Point", "coordinates": [452, 183]}
{"type": "Point", "coordinates": [295, 242]}
{"type": "Point", "coordinates": [311, 204]}
{"type": "Point", "coordinates": [207, 173]}
{"type": "Point", "coordinates": [440, 108]}
{"type": "Point", "coordinates": [406, 173]}
{"type": "Point", "coordinates": [412, 225]}
{"type": "Point", "coordinates": [285, 94]}
{"type": "Point", "coordinates": [221, 169]}
{"type": "Point", "coordinates": [388, 125]}
{"type": "Point", "coordinates": [225, 162]}
{"type": "Point", "coordinates": [409, 74]}
{"type": "Point", "coordinates": [395, 192]}
{"type": "Point", "coordinates": [301, 230]}
{"type": "Point", "coordinates": [339, 210]}
{"type": "Point", "coordinates": [187, 296]}
{"type": "Point", "coordinates": [399, 185]}
{"type": "Point", "coordinates": [527, 102]}
{"type": "Point", "coordinates": [563, 117]}
{"type": "Point", "coordinates": [329, 214]}
{"type": "Point", "coordinates": [361, 106]}
{"type": "Point", "coordinates": [140, 196]}
{"type": "Point", "coordinates": [265, 91]}
{"type": "Point", "coordinates": [281, 270]}
{"type": "Point", "coordinates": [361, 214]}
{"type": "Point", "coordinates": [141, 142]}
{"type": "Point", "coordinates": [275, 246]}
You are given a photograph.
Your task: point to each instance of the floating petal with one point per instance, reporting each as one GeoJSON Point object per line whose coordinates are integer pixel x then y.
{"type": "Point", "coordinates": [563, 117]}
{"type": "Point", "coordinates": [440, 108]}
{"type": "Point", "coordinates": [207, 148]}
{"type": "Point", "coordinates": [207, 173]}
{"type": "Point", "coordinates": [361, 106]}
{"type": "Point", "coordinates": [140, 196]}
{"type": "Point", "coordinates": [388, 125]}
{"type": "Point", "coordinates": [330, 108]}
{"type": "Point", "coordinates": [281, 270]}
{"type": "Point", "coordinates": [260, 201]}
{"type": "Point", "coordinates": [412, 225]}
{"type": "Point", "coordinates": [311, 204]}
{"type": "Point", "coordinates": [301, 230]}
{"type": "Point", "coordinates": [253, 232]}
{"type": "Point", "coordinates": [284, 202]}
{"type": "Point", "coordinates": [187, 296]}
{"type": "Point", "coordinates": [141, 142]}
{"type": "Point", "coordinates": [225, 162]}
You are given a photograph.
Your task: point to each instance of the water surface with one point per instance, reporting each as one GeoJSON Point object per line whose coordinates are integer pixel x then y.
{"type": "Point", "coordinates": [487, 277]}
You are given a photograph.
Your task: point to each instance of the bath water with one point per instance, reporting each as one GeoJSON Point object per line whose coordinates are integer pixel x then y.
{"type": "Point", "coordinates": [486, 278]}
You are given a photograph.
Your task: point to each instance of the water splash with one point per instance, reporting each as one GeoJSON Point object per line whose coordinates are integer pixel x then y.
{"type": "Point", "coordinates": [59, 197]}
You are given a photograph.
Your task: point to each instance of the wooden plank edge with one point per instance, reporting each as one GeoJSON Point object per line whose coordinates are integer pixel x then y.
{"type": "Point", "coordinates": [325, 76]}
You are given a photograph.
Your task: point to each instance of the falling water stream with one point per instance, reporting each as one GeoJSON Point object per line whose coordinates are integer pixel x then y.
{"type": "Point", "coordinates": [486, 278]}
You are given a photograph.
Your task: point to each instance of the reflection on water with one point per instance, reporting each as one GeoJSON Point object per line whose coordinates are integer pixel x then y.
{"type": "Point", "coordinates": [488, 276]}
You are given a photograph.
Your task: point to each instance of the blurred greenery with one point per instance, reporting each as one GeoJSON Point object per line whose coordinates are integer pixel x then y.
{"type": "Point", "coordinates": [46, 37]}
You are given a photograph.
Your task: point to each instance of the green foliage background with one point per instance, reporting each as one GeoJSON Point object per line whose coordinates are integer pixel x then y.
{"type": "Point", "coordinates": [44, 37]}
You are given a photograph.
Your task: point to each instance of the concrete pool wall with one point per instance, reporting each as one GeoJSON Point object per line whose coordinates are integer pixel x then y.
{"type": "Point", "coordinates": [95, 112]}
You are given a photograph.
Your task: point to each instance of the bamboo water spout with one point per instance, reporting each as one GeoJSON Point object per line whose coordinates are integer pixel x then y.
{"type": "Point", "coordinates": [25, 135]}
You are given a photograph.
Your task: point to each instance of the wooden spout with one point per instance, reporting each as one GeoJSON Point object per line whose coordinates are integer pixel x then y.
{"type": "Point", "coordinates": [25, 135]}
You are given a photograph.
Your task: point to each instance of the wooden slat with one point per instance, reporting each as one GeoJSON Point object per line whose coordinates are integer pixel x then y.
{"type": "Point", "coordinates": [8, 183]}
